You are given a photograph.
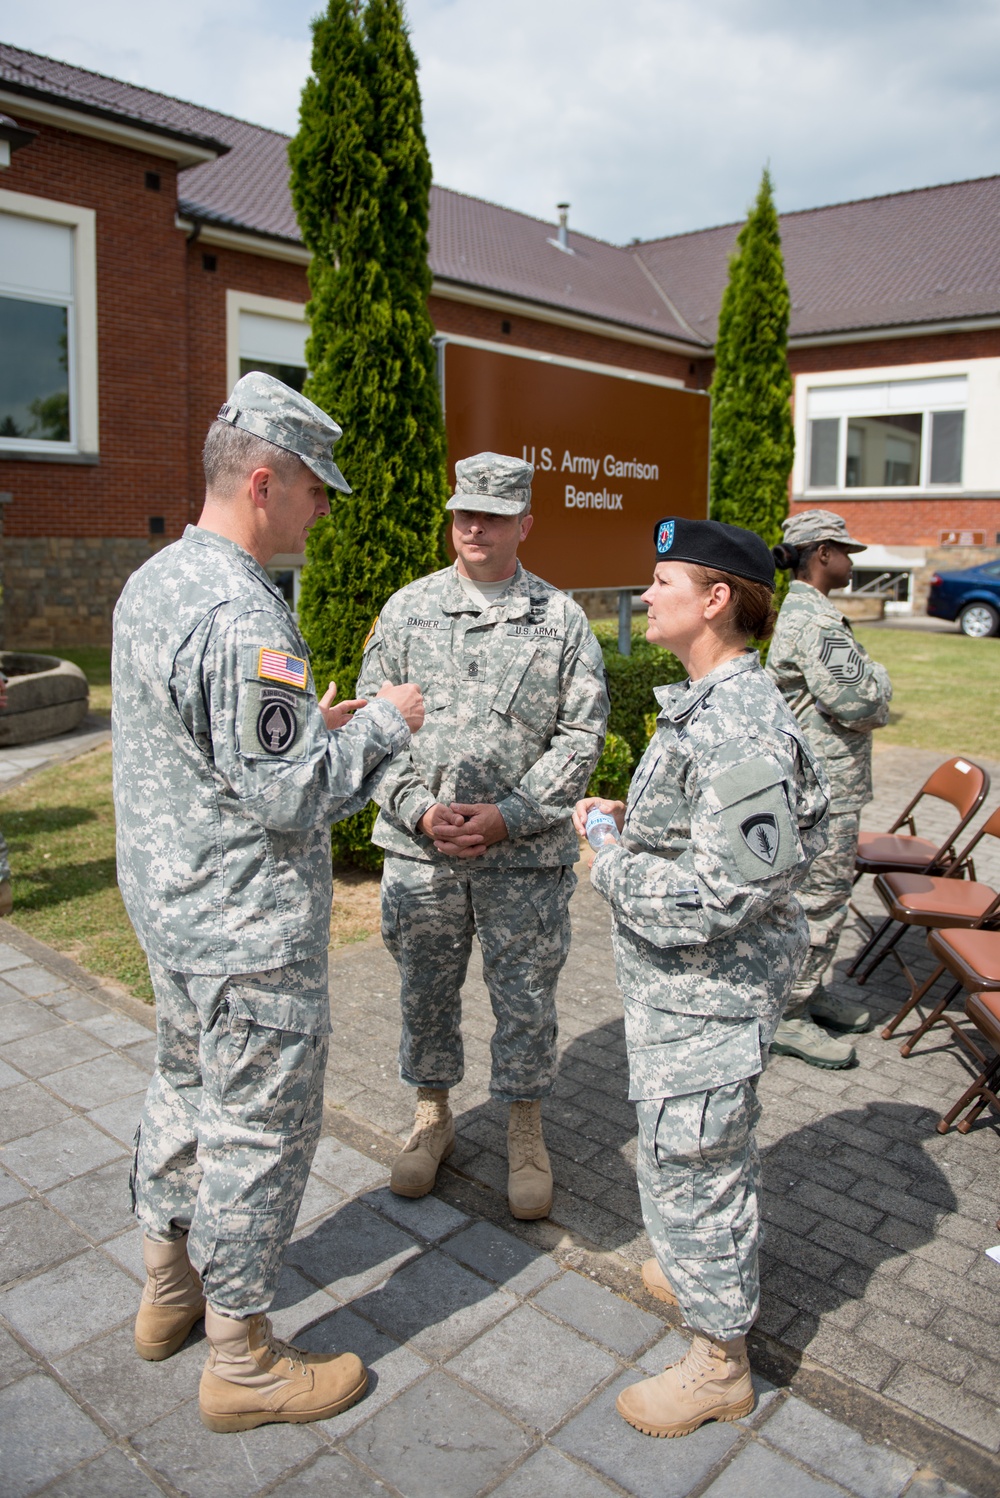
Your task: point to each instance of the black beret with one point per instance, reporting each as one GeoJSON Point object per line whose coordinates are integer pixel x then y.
{"type": "Point", "coordinates": [711, 543]}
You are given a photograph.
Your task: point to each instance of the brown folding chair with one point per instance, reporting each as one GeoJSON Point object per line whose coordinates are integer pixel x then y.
{"type": "Point", "coordinates": [935, 902]}
{"type": "Point", "coordinates": [962, 785]}
{"type": "Point", "coordinates": [983, 1009]}
{"type": "Point", "coordinates": [972, 957]}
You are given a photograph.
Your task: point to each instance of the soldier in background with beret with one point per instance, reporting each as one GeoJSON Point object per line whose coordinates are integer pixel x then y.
{"type": "Point", "coordinates": [475, 818]}
{"type": "Point", "coordinates": [838, 696]}
{"type": "Point", "coordinates": [726, 809]}
{"type": "Point", "coordinates": [227, 775]}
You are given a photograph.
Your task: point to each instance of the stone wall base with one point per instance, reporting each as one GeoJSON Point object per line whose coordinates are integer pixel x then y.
{"type": "Point", "coordinates": [62, 590]}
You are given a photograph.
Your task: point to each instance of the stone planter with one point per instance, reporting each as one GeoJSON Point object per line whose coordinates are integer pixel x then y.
{"type": "Point", "coordinates": [46, 696]}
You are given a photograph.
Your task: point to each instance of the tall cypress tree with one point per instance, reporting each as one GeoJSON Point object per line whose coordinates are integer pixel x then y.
{"type": "Point", "coordinates": [361, 187]}
{"type": "Point", "coordinates": [752, 438]}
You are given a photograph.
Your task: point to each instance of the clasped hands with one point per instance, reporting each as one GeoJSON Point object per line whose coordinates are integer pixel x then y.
{"type": "Point", "coordinates": [463, 829]}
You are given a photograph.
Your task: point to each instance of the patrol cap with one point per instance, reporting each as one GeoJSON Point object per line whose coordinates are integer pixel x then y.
{"type": "Point", "coordinates": [270, 409]}
{"type": "Point", "coordinates": [493, 484]}
{"type": "Point", "coordinates": [811, 526]}
{"type": "Point", "coordinates": [711, 543]}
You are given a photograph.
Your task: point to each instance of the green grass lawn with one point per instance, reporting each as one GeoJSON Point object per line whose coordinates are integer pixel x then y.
{"type": "Point", "coordinates": [60, 823]}
{"type": "Point", "coordinates": [95, 663]}
{"type": "Point", "coordinates": [946, 690]}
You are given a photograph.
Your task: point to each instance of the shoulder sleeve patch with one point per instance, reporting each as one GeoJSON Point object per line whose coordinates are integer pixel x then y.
{"type": "Point", "coordinates": [762, 837]}
{"type": "Point", "coordinates": [840, 655]}
{"type": "Point", "coordinates": [290, 670]}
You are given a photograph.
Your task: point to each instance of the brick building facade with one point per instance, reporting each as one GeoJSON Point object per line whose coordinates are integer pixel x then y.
{"type": "Point", "coordinates": [160, 237]}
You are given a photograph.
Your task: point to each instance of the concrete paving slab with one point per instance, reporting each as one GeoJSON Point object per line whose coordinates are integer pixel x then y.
{"type": "Point", "coordinates": [126, 1391]}
{"type": "Point", "coordinates": [837, 1452]}
{"type": "Point", "coordinates": [437, 1438]}
{"type": "Point", "coordinates": [11, 957]}
{"type": "Point", "coordinates": [15, 1362]}
{"type": "Point", "coordinates": [68, 1305]}
{"type": "Point", "coordinates": [351, 1250]}
{"type": "Point", "coordinates": [126, 1250]}
{"type": "Point", "coordinates": [41, 1055]}
{"type": "Point", "coordinates": [537, 1369]}
{"type": "Point", "coordinates": [606, 1317]}
{"type": "Point", "coordinates": [32, 1237]}
{"type": "Point", "coordinates": [757, 1472]}
{"type": "Point", "coordinates": [11, 1190]}
{"type": "Point", "coordinates": [21, 1019]}
{"type": "Point", "coordinates": [37, 1403]}
{"type": "Point", "coordinates": [26, 1109]}
{"type": "Point", "coordinates": [9, 1077]}
{"type": "Point", "coordinates": [318, 1200]}
{"type": "Point", "coordinates": [502, 1258]}
{"type": "Point", "coordinates": [115, 1029]}
{"type": "Point", "coordinates": [642, 1465]}
{"type": "Point", "coordinates": [111, 1475]}
{"type": "Point", "coordinates": [551, 1473]}
{"type": "Point", "coordinates": [435, 1305]}
{"type": "Point", "coordinates": [391, 1366]}
{"type": "Point", "coordinates": [102, 1080]}
{"type": "Point", "coordinates": [428, 1217]}
{"type": "Point", "coordinates": [330, 1473]}
{"type": "Point", "coordinates": [297, 1303]}
{"type": "Point", "coordinates": [205, 1465]}
{"type": "Point", "coordinates": [50, 1156]}
{"type": "Point", "coordinates": [33, 980]}
{"type": "Point", "coordinates": [99, 1204]}
{"type": "Point", "coordinates": [120, 1119]}
{"type": "Point", "coordinates": [346, 1168]}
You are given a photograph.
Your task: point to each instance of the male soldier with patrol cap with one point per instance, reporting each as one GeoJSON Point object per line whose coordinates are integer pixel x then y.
{"type": "Point", "coordinates": [839, 695]}
{"type": "Point", "coordinates": [475, 818]}
{"type": "Point", "coordinates": [227, 774]}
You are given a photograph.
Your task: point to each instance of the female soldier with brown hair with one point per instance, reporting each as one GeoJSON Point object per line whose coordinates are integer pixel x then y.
{"type": "Point", "coordinates": [725, 811]}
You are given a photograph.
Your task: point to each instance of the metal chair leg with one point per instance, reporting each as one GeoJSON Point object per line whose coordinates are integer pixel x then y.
{"type": "Point", "coordinates": [881, 956]}
{"type": "Point", "coordinates": [914, 998]}
{"type": "Point", "coordinates": [931, 1020]}
{"type": "Point", "coordinates": [872, 941]}
{"type": "Point", "coordinates": [983, 1080]}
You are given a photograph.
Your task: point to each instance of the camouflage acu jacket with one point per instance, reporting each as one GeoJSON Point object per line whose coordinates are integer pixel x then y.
{"type": "Point", "coordinates": [835, 690]}
{"type": "Point", "coordinates": [726, 810]}
{"type": "Point", "coordinates": [225, 776]}
{"type": "Point", "coordinates": [516, 713]}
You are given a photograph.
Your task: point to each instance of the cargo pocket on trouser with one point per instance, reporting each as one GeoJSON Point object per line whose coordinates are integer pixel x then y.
{"type": "Point", "coordinates": [698, 1184]}
{"type": "Point", "coordinates": [260, 1126]}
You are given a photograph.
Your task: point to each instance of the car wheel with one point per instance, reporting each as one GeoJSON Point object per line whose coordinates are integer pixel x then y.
{"type": "Point", "coordinates": [979, 620]}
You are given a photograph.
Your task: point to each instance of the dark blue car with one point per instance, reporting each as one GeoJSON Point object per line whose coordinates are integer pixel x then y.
{"type": "Point", "coordinates": [971, 596]}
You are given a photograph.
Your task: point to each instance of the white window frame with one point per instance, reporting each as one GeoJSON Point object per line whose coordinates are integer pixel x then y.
{"type": "Point", "coordinates": [82, 362]}
{"type": "Point", "coordinates": [263, 306]}
{"type": "Point", "coordinates": [981, 438]}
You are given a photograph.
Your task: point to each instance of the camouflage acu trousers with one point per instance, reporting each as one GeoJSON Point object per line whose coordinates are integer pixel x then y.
{"type": "Point", "coordinates": [699, 1181]}
{"type": "Point", "coordinates": [521, 916]}
{"type": "Point", "coordinates": [231, 1121]}
{"type": "Point", "coordinates": [824, 895]}
{"type": "Point", "coordinates": [4, 859]}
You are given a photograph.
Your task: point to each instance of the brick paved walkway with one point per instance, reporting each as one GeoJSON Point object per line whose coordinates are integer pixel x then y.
{"type": "Point", "coordinates": [497, 1357]}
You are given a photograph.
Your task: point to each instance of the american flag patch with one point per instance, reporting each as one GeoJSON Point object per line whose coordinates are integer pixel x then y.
{"type": "Point", "coordinates": [274, 666]}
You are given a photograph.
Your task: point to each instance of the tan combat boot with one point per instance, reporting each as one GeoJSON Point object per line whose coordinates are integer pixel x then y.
{"type": "Point", "coordinates": [529, 1176]}
{"type": "Point", "coordinates": [805, 1039]}
{"type": "Point", "coordinates": [414, 1171]}
{"type": "Point", "coordinates": [251, 1378]}
{"type": "Point", "coordinates": [6, 897]}
{"type": "Point", "coordinates": [657, 1284]}
{"type": "Point", "coordinates": [172, 1300]}
{"type": "Point", "coordinates": [711, 1382]}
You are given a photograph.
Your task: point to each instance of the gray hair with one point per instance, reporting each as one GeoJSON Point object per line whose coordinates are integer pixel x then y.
{"type": "Point", "coordinates": [231, 455]}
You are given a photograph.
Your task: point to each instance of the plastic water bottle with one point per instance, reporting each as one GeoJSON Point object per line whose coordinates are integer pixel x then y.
{"type": "Point", "coordinates": [601, 829]}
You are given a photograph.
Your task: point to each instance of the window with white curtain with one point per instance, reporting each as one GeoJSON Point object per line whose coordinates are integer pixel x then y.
{"type": "Point", "coordinates": [276, 345]}
{"type": "Point", "coordinates": [888, 435]}
{"type": "Point", "coordinates": [37, 332]}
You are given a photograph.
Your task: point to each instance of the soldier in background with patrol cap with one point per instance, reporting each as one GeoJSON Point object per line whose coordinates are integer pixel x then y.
{"type": "Point", "coordinates": [725, 811]}
{"type": "Point", "coordinates": [227, 775]}
{"type": "Point", "coordinates": [838, 696]}
{"type": "Point", "coordinates": [475, 818]}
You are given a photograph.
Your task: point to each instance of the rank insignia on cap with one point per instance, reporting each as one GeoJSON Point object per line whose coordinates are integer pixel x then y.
{"type": "Point", "coordinates": [664, 537]}
{"type": "Point", "coordinates": [842, 659]}
{"type": "Point", "coordinates": [760, 833]}
{"type": "Point", "coordinates": [274, 665]}
{"type": "Point", "coordinates": [277, 726]}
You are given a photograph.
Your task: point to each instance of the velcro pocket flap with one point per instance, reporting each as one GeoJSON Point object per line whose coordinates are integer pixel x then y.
{"type": "Point", "coordinates": [511, 680]}
{"type": "Point", "coordinates": [762, 836]}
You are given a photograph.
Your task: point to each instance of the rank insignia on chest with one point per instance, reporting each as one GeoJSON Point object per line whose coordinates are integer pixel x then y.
{"type": "Point", "coordinates": [274, 665]}
{"type": "Point", "coordinates": [842, 659]}
{"type": "Point", "coordinates": [760, 833]}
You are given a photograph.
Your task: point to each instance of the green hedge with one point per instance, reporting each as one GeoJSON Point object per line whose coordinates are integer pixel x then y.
{"type": "Point", "coordinates": [631, 680]}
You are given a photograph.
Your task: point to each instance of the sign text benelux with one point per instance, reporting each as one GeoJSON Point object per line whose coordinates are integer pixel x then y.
{"type": "Point", "coordinates": [591, 468]}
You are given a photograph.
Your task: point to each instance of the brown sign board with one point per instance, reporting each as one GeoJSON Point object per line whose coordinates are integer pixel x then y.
{"type": "Point", "coordinates": [612, 455]}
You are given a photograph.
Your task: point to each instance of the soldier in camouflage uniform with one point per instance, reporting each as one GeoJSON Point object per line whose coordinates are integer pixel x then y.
{"type": "Point", "coordinates": [227, 775]}
{"type": "Point", "coordinates": [838, 696]}
{"type": "Point", "coordinates": [725, 811]}
{"type": "Point", "coordinates": [475, 819]}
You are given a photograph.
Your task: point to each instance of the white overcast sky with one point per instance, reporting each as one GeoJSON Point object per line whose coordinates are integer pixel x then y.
{"type": "Point", "coordinates": [650, 116]}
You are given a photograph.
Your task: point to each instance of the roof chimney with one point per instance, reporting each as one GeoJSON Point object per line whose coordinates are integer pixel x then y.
{"type": "Point", "coordinates": [563, 225]}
